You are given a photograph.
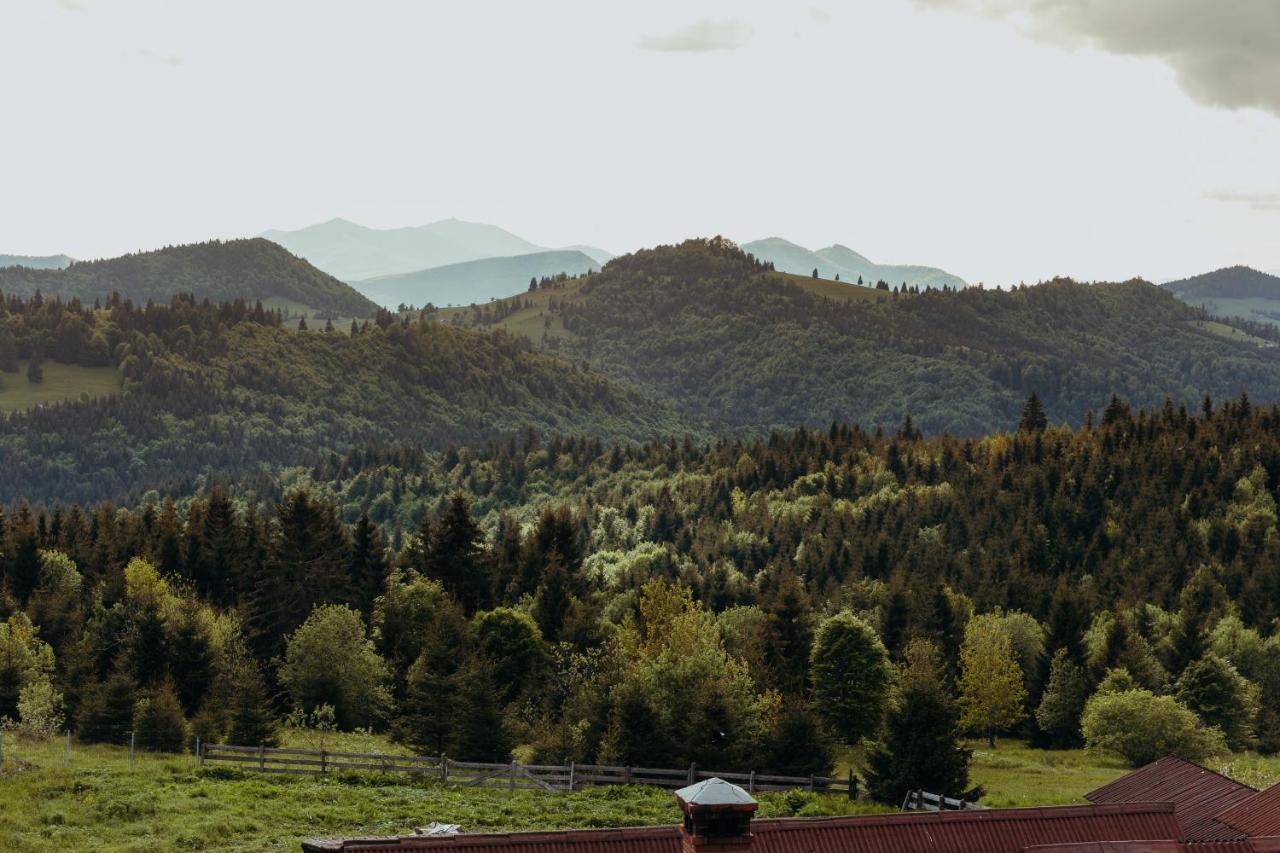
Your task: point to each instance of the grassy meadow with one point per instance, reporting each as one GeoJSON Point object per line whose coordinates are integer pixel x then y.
{"type": "Point", "coordinates": [166, 802]}
{"type": "Point", "coordinates": [61, 382]}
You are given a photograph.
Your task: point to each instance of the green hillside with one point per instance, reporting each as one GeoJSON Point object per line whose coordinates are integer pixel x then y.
{"type": "Point", "coordinates": [473, 281]}
{"type": "Point", "coordinates": [726, 340]}
{"type": "Point", "coordinates": [1238, 292]}
{"type": "Point", "coordinates": [230, 389]}
{"type": "Point", "coordinates": [252, 270]}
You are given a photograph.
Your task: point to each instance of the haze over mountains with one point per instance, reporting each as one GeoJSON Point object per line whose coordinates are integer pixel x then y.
{"type": "Point", "coordinates": [354, 252]}
{"type": "Point", "coordinates": [473, 281]}
{"type": "Point", "coordinates": [35, 262]}
{"type": "Point", "coordinates": [846, 264]}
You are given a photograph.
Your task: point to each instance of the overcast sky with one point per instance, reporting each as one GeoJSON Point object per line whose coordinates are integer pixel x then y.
{"type": "Point", "coordinates": [1001, 140]}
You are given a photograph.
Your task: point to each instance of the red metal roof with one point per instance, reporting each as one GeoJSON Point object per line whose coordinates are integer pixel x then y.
{"type": "Point", "coordinates": [1258, 815]}
{"type": "Point", "coordinates": [1198, 795]}
{"type": "Point", "coordinates": [1244, 845]}
{"type": "Point", "coordinates": [987, 831]}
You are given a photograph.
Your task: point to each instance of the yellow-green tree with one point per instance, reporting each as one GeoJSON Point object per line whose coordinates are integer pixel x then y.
{"type": "Point", "coordinates": [991, 689]}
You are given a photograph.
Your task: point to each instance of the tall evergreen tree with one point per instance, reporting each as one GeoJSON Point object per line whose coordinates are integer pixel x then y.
{"type": "Point", "coordinates": [920, 749]}
{"type": "Point", "coordinates": [368, 570]}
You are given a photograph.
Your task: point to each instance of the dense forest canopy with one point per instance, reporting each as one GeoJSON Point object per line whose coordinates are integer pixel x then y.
{"type": "Point", "coordinates": [663, 603]}
{"type": "Point", "coordinates": [228, 388]}
{"type": "Point", "coordinates": [728, 340]}
{"type": "Point", "coordinates": [249, 270]}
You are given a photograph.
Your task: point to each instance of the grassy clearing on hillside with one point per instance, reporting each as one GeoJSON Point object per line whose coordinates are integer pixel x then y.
{"type": "Point", "coordinates": [1230, 333]}
{"type": "Point", "coordinates": [167, 803]}
{"type": "Point", "coordinates": [61, 382]}
{"type": "Point", "coordinates": [842, 291]}
{"type": "Point", "coordinates": [530, 322]}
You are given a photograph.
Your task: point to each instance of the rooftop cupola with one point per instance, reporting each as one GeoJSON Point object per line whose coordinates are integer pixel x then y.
{"type": "Point", "coordinates": [717, 817]}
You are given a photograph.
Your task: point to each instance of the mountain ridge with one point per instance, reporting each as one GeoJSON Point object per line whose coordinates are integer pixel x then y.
{"type": "Point", "coordinates": [251, 269]}
{"type": "Point", "coordinates": [37, 262]}
{"type": "Point", "coordinates": [849, 265]}
{"type": "Point", "coordinates": [353, 252]}
{"type": "Point", "coordinates": [475, 281]}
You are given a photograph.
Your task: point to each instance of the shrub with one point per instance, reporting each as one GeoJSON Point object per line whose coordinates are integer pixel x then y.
{"type": "Point", "coordinates": [39, 710]}
{"type": "Point", "coordinates": [158, 723]}
{"type": "Point", "coordinates": [1140, 727]}
{"type": "Point", "coordinates": [330, 661]}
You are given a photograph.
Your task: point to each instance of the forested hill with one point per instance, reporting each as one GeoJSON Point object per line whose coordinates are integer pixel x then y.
{"type": "Point", "coordinates": [730, 340]}
{"type": "Point", "coordinates": [1230, 283]}
{"type": "Point", "coordinates": [251, 270]}
{"type": "Point", "coordinates": [226, 389]}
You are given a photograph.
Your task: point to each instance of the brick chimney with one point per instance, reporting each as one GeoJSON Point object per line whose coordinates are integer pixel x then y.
{"type": "Point", "coordinates": [717, 817]}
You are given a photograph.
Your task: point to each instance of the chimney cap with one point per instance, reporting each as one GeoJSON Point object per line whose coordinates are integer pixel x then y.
{"type": "Point", "coordinates": [715, 793]}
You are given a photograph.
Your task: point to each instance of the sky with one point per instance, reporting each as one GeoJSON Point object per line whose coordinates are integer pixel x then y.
{"type": "Point", "coordinates": [1003, 141]}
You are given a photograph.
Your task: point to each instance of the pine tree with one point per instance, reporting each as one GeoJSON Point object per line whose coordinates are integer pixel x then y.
{"type": "Point", "coordinates": [106, 713]}
{"type": "Point", "coordinates": [1058, 715]}
{"type": "Point", "coordinates": [307, 567]}
{"type": "Point", "coordinates": [368, 564]}
{"type": "Point", "coordinates": [481, 732]}
{"type": "Point", "coordinates": [920, 749]}
{"type": "Point", "coordinates": [1033, 416]}
{"type": "Point", "coordinates": [453, 556]}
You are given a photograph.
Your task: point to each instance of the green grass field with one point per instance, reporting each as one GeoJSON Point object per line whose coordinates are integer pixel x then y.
{"type": "Point", "coordinates": [61, 382]}
{"type": "Point", "coordinates": [165, 802]}
{"type": "Point", "coordinates": [1230, 333]}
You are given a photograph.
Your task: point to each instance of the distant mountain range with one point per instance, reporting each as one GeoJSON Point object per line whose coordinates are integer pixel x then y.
{"type": "Point", "coordinates": [36, 262]}
{"type": "Point", "coordinates": [473, 281]}
{"type": "Point", "coordinates": [252, 270]}
{"type": "Point", "coordinates": [1238, 291]}
{"type": "Point", "coordinates": [842, 261]}
{"type": "Point", "coordinates": [354, 252]}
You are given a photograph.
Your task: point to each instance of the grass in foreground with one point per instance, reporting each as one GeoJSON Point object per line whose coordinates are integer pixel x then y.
{"type": "Point", "coordinates": [167, 803]}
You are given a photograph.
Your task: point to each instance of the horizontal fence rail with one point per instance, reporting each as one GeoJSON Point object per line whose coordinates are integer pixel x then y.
{"type": "Point", "coordinates": [923, 801]}
{"type": "Point", "coordinates": [512, 775]}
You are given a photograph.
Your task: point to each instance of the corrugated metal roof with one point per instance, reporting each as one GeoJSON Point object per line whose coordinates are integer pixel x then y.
{"type": "Point", "coordinates": [1197, 793]}
{"type": "Point", "coordinates": [988, 831]}
{"type": "Point", "coordinates": [1257, 815]}
{"type": "Point", "coordinates": [1244, 845]}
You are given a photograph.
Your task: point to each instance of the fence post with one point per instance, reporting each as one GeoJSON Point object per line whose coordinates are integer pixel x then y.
{"type": "Point", "coordinates": [444, 767]}
{"type": "Point", "coordinates": [627, 778]}
{"type": "Point", "coordinates": [511, 782]}
{"type": "Point", "coordinates": [197, 751]}
{"type": "Point", "coordinates": [200, 745]}
{"type": "Point", "coordinates": [324, 761]}
{"type": "Point", "coordinates": [853, 785]}
{"type": "Point", "coordinates": [812, 786]}
{"type": "Point", "coordinates": [751, 783]}
{"type": "Point", "coordinates": [572, 771]}
{"type": "Point", "coordinates": [133, 737]}
{"type": "Point", "coordinates": [262, 756]}
{"type": "Point", "coordinates": [1, 748]}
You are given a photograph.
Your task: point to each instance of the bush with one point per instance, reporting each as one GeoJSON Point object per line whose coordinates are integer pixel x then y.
{"type": "Point", "coordinates": [1140, 727]}
{"type": "Point", "coordinates": [1215, 690]}
{"type": "Point", "coordinates": [158, 722]}
{"type": "Point", "coordinates": [330, 661]}
{"type": "Point", "coordinates": [39, 710]}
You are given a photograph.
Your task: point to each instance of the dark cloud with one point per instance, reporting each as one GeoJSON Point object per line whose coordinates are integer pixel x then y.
{"type": "Point", "coordinates": [701, 36]}
{"type": "Point", "coordinates": [1226, 53]}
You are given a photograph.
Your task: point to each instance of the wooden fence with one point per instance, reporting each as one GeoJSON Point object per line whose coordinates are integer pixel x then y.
{"type": "Point", "coordinates": [513, 775]}
{"type": "Point", "coordinates": [923, 801]}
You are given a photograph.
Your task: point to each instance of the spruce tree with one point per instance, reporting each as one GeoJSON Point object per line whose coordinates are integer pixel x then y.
{"type": "Point", "coordinates": [481, 732]}
{"type": "Point", "coordinates": [453, 556]}
{"type": "Point", "coordinates": [368, 570]}
{"type": "Point", "coordinates": [921, 748]}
